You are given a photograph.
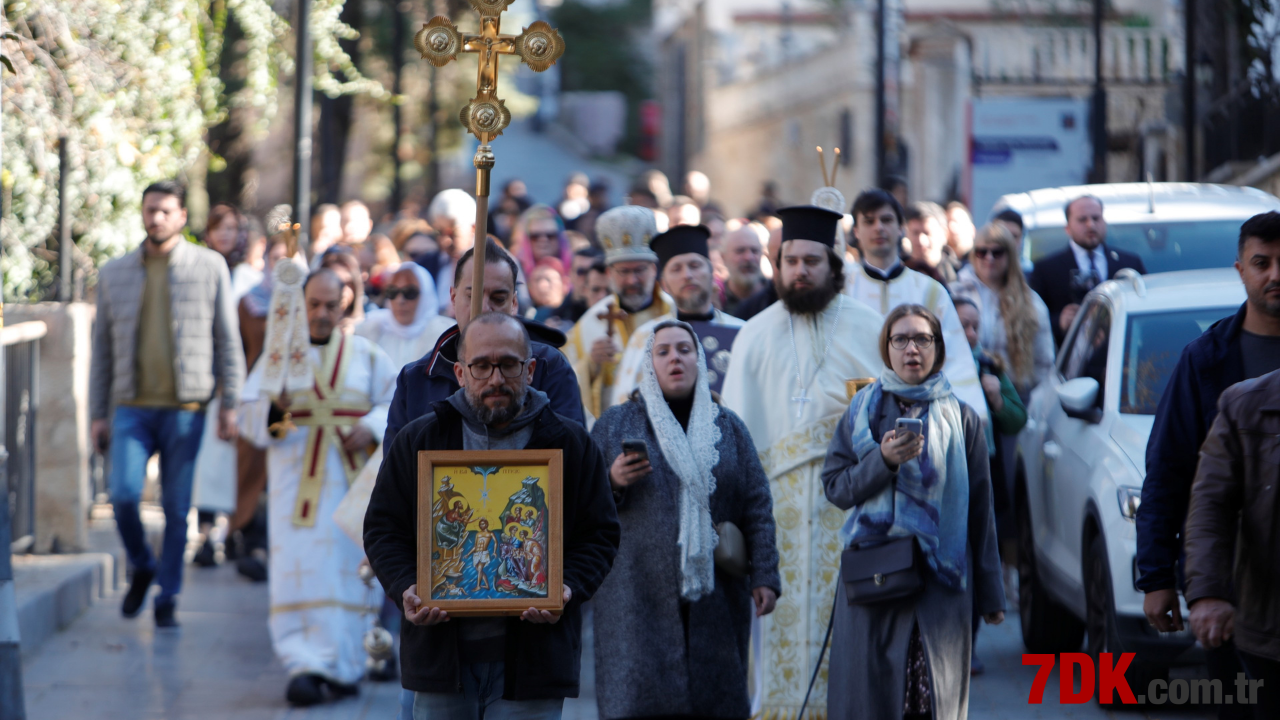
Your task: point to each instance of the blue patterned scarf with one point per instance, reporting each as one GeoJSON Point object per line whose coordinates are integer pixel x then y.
{"type": "Point", "coordinates": [929, 498]}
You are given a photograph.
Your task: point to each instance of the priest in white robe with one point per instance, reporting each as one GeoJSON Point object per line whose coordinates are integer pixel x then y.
{"type": "Point", "coordinates": [597, 340]}
{"type": "Point", "coordinates": [684, 273]}
{"type": "Point", "coordinates": [317, 441]}
{"type": "Point", "coordinates": [795, 367]}
{"type": "Point", "coordinates": [883, 282]}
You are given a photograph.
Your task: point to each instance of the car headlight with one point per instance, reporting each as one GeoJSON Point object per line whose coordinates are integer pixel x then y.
{"type": "Point", "coordinates": [1130, 499]}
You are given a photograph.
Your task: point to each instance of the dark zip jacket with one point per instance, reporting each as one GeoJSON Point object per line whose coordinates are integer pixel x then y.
{"type": "Point", "coordinates": [1209, 364]}
{"type": "Point", "coordinates": [542, 661]}
{"type": "Point", "coordinates": [430, 379]}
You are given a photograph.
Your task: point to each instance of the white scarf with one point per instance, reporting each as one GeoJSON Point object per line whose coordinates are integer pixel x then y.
{"type": "Point", "coordinates": [692, 454]}
{"type": "Point", "coordinates": [428, 305]}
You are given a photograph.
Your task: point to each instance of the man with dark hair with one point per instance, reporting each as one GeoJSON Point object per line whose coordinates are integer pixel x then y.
{"type": "Point", "coordinates": [789, 382]}
{"type": "Point", "coordinates": [577, 303]}
{"type": "Point", "coordinates": [492, 666]}
{"type": "Point", "coordinates": [432, 378]}
{"type": "Point", "coordinates": [883, 282]}
{"type": "Point", "coordinates": [1234, 349]}
{"type": "Point", "coordinates": [926, 229]}
{"type": "Point", "coordinates": [1065, 277]}
{"type": "Point", "coordinates": [1012, 221]}
{"type": "Point", "coordinates": [896, 185]}
{"type": "Point", "coordinates": [166, 339]}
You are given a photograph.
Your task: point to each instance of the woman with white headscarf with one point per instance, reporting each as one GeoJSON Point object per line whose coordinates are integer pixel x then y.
{"type": "Point", "coordinates": [673, 618]}
{"type": "Point", "coordinates": [401, 328]}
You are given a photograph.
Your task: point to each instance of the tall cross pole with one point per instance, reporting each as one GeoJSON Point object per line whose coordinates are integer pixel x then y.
{"type": "Point", "coordinates": [486, 116]}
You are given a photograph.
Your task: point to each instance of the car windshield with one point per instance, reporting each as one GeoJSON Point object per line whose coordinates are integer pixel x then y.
{"type": "Point", "coordinates": [1163, 247]}
{"type": "Point", "coordinates": [1153, 344]}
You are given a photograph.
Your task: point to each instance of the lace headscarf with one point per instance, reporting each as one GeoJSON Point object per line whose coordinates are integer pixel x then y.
{"type": "Point", "coordinates": [692, 454]}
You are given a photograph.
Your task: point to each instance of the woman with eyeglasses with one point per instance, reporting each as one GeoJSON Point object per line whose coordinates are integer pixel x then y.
{"type": "Point", "coordinates": [1015, 321]}
{"type": "Point", "coordinates": [540, 234]}
{"type": "Point", "coordinates": [400, 327]}
{"type": "Point", "coordinates": [910, 460]}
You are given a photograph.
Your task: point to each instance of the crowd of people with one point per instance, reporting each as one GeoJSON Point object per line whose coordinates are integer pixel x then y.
{"type": "Point", "coordinates": [824, 400]}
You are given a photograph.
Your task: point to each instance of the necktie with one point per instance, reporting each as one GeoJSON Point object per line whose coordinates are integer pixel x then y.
{"type": "Point", "coordinates": [1093, 268]}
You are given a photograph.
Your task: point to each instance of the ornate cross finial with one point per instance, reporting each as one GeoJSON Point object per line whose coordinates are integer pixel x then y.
{"type": "Point", "coordinates": [439, 42]}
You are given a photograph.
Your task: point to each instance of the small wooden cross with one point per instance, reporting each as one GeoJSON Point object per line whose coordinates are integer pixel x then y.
{"type": "Point", "coordinates": [613, 313]}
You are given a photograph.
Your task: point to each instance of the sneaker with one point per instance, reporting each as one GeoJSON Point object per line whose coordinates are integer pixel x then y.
{"type": "Point", "coordinates": [206, 557]}
{"type": "Point", "coordinates": [137, 592]}
{"type": "Point", "coordinates": [304, 690]}
{"type": "Point", "coordinates": [165, 615]}
{"type": "Point", "coordinates": [252, 568]}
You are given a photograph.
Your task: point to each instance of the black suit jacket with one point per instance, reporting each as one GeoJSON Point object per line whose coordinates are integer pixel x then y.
{"type": "Point", "coordinates": [1051, 279]}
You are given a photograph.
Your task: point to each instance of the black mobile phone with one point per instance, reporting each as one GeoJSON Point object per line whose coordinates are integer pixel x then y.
{"type": "Point", "coordinates": [911, 425]}
{"type": "Point", "coordinates": [638, 447]}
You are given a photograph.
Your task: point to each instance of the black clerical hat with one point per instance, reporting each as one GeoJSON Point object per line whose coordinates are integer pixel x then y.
{"type": "Point", "coordinates": [809, 222]}
{"type": "Point", "coordinates": [679, 240]}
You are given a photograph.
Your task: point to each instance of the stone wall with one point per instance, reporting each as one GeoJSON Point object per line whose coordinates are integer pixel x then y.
{"type": "Point", "coordinates": [62, 424]}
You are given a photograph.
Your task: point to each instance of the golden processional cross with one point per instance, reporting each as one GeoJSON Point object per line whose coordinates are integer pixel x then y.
{"type": "Point", "coordinates": [486, 116]}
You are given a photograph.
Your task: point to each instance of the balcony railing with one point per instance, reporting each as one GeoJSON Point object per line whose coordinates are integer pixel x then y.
{"type": "Point", "coordinates": [1041, 55]}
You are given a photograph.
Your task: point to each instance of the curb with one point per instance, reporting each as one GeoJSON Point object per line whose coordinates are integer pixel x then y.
{"type": "Point", "coordinates": [53, 590]}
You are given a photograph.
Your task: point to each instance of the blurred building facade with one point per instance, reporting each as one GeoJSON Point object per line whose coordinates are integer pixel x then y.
{"type": "Point", "coordinates": [748, 88]}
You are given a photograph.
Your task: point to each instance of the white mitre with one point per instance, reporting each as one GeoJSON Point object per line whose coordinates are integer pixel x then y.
{"type": "Point", "coordinates": [625, 232]}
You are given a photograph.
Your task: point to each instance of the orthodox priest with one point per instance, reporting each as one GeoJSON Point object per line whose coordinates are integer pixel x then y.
{"type": "Point", "coordinates": [598, 338]}
{"type": "Point", "coordinates": [790, 381]}
{"type": "Point", "coordinates": [883, 282]}
{"type": "Point", "coordinates": [317, 439]}
{"type": "Point", "coordinates": [684, 272]}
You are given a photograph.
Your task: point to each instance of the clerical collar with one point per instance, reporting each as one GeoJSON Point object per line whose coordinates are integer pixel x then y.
{"type": "Point", "coordinates": [896, 269]}
{"type": "Point", "coordinates": [691, 317]}
{"type": "Point", "coordinates": [320, 342]}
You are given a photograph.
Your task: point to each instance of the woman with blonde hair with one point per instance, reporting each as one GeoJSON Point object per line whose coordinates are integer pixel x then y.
{"type": "Point", "coordinates": [1015, 321]}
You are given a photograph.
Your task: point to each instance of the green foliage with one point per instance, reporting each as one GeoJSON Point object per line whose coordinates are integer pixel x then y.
{"type": "Point", "coordinates": [133, 85]}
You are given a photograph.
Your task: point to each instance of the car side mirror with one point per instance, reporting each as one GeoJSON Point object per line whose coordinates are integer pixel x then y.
{"type": "Point", "coordinates": [1079, 399]}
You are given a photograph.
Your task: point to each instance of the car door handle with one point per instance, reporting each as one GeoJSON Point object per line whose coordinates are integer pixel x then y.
{"type": "Point", "coordinates": [1052, 450]}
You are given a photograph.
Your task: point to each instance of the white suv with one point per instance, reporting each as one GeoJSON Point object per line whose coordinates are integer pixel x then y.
{"type": "Point", "coordinates": [1082, 459]}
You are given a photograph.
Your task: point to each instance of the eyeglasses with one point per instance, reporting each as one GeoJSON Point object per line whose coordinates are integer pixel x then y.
{"type": "Point", "coordinates": [544, 236]}
{"type": "Point", "coordinates": [409, 293]}
{"type": "Point", "coordinates": [995, 252]}
{"type": "Point", "coordinates": [899, 342]}
{"type": "Point", "coordinates": [483, 369]}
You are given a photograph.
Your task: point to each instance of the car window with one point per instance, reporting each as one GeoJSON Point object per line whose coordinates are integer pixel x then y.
{"type": "Point", "coordinates": [1153, 343]}
{"type": "Point", "coordinates": [1163, 247]}
{"type": "Point", "coordinates": [1086, 354]}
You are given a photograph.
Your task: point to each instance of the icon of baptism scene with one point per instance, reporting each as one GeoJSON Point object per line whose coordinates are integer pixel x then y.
{"type": "Point", "coordinates": [490, 532]}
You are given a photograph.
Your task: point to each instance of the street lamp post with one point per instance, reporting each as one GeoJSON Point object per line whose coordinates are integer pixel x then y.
{"type": "Point", "coordinates": [302, 126]}
{"type": "Point", "coordinates": [1098, 114]}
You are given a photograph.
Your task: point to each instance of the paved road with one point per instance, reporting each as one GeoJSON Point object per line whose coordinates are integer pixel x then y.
{"type": "Point", "coordinates": [220, 666]}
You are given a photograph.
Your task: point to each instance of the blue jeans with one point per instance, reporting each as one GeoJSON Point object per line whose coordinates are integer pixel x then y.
{"type": "Point", "coordinates": [136, 433]}
{"type": "Point", "coordinates": [481, 699]}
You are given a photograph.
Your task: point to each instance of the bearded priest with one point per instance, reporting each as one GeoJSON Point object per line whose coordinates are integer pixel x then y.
{"type": "Point", "coordinates": [317, 441]}
{"type": "Point", "coordinates": [791, 379]}
{"type": "Point", "coordinates": [684, 273]}
{"type": "Point", "coordinates": [597, 340]}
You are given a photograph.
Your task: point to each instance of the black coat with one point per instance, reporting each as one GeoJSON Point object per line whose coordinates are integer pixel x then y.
{"type": "Point", "coordinates": [1051, 279]}
{"type": "Point", "coordinates": [542, 661]}
{"type": "Point", "coordinates": [1209, 365]}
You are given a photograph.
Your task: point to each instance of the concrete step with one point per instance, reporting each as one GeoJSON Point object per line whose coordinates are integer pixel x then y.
{"type": "Point", "coordinates": [53, 590]}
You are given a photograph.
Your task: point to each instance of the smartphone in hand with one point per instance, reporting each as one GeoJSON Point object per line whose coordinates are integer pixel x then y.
{"type": "Point", "coordinates": [909, 425]}
{"type": "Point", "coordinates": [636, 447]}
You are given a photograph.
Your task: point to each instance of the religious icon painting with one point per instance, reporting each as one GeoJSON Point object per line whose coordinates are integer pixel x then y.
{"type": "Point", "coordinates": [490, 531]}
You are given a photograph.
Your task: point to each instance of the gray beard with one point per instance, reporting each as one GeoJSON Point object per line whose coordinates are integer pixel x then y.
{"type": "Point", "coordinates": [496, 416]}
{"type": "Point", "coordinates": [695, 304]}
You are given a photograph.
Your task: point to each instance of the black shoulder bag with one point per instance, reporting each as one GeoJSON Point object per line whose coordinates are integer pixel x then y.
{"type": "Point", "coordinates": [883, 569]}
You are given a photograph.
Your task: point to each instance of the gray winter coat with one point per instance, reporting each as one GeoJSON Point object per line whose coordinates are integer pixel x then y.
{"type": "Point", "coordinates": [644, 666]}
{"type": "Point", "coordinates": [206, 329]}
{"type": "Point", "coordinates": [867, 675]}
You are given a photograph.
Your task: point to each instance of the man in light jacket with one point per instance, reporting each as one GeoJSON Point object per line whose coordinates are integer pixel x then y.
{"type": "Point", "coordinates": [166, 338]}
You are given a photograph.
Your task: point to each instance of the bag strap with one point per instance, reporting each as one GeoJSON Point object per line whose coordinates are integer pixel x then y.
{"type": "Point", "coordinates": [821, 653]}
